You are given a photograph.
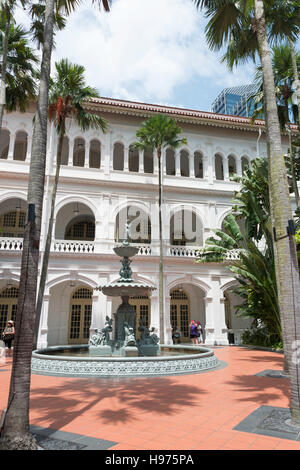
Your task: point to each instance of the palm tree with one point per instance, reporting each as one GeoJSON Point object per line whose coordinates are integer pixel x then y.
{"type": "Point", "coordinates": [6, 13]}
{"type": "Point", "coordinates": [283, 77]}
{"type": "Point", "coordinates": [156, 134]}
{"type": "Point", "coordinates": [16, 433]}
{"type": "Point", "coordinates": [248, 229]}
{"type": "Point", "coordinates": [237, 15]}
{"type": "Point", "coordinates": [68, 91]}
{"type": "Point", "coordinates": [20, 70]}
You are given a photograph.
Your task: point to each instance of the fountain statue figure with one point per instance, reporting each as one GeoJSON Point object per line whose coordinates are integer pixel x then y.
{"type": "Point", "coordinates": [129, 335]}
{"type": "Point", "coordinates": [145, 337]}
{"type": "Point", "coordinates": [97, 340]}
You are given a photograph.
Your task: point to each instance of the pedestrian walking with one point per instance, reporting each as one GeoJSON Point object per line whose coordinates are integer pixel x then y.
{"type": "Point", "coordinates": [193, 332]}
{"type": "Point", "coordinates": [199, 332]}
{"type": "Point", "coordinates": [8, 336]}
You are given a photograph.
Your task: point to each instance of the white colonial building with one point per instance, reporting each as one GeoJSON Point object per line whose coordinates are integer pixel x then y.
{"type": "Point", "coordinates": [104, 181]}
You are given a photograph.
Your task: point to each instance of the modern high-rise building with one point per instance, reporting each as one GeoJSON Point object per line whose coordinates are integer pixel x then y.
{"type": "Point", "coordinates": [234, 101]}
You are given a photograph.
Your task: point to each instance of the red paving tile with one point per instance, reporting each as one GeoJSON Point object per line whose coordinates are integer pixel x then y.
{"type": "Point", "coordinates": [197, 411]}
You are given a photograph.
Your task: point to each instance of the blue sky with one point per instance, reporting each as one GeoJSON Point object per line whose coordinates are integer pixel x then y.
{"type": "Point", "coordinates": [151, 51]}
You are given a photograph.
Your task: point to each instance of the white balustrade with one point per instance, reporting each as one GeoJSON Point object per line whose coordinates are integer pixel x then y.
{"type": "Point", "coordinates": [11, 244]}
{"type": "Point", "coordinates": [186, 251]}
{"type": "Point", "coordinates": [73, 246]}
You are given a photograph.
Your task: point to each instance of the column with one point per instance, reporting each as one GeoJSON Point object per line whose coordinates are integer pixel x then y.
{"type": "Point", "coordinates": [87, 155]}
{"type": "Point", "coordinates": [106, 153]}
{"type": "Point", "coordinates": [12, 138]}
{"type": "Point", "coordinates": [71, 150]}
{"type": "Point", "coordinates": [167, 323]}
{"type": "Point", "coordinates": [225, 168]}
{"type": "Point", "coordinates": [126, 154]}
{"type": "Point", "coordinates": [192, 166]}
{"type": "Point", "coordinates": [209, 164]}
{"type": "Point", "coordinates": [141, 161]}
{"type": "Point", "coordinates": [177, 163]}
{"type": "Point", "coordinates": [218, 307]}
{"type": "Point", "coordinates": [28, 151]}
{"type": "Point", "coordinates": [238, 166]}
{"type": "Point", "coordinates": [43, 330]}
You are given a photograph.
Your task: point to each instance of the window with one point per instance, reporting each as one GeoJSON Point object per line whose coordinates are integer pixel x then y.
{"type": "Point", "coordinates": [118, 156]}
{"type": "Point", "coordinates": [95, 154]}
{"type": "Point", "coordinates": [20, 147]}
{"type": "Point", "coordinates": [12, 224]}
{"type": "Point", "coordinates": [79, 152]}
{"type": "Point", "coordinates": [81, 229]}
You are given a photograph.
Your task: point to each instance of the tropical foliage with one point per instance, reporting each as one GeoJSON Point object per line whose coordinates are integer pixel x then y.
{"type": "Point", "coordinates": [248, 229]}
{"type": "Point", "coordinates": [21, 84]}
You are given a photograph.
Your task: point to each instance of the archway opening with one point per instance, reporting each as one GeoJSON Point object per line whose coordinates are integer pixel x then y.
{"type": "Point", "coordinates": [186, 228]}
{"type": "Point", "coordinates": [75, 221]}
{"type": "Point", "coordinates": [140, 225]}
{"type": "Point", "coordinates": [12, 218]}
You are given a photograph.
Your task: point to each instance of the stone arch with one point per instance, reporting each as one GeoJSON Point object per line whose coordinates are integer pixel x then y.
{"type": "Point", "coordinates": [95, 153]}
{"type": "Point", "coordinates": [184, 162]}
{"type": "Point", "coordinates": [170, 162]}
{"type": "Point", "coordinates": [20, 145]}
{"type": "Point", "coordinates": [133, 159]}
{"type": "Point", "coordinates": [65, 150]}
{"type": "Point", "coordinates": [68, 216]}
{"type": "Point", "coordinates": [186, 226]}
{"type": "Point", "coordinates": [198, 164]}
{"type": "Point", "coordinates": [74, 199]}
{"type": "Point", "coordinates": [219, 166]}
{"type": "Point", "coordinates": [118, 156]}
{"type": "Point", "coordinates": [232, 164]}
{"type": "Point", "coordinates": [79, 151]}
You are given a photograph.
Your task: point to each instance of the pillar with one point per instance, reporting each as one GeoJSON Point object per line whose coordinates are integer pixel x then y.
{"type": "Point", "coordinates": [43, 330]}
{"type": "Point", "coordinates": [71, 150]}
{"type": "Point", "coordinates": [177, 163]}
{"type": "Point", "coordinates": [225, 168]}
{"type": "Point", "coordinates": [192, 165]}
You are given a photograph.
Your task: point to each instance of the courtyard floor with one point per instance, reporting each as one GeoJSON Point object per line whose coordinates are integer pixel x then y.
{"type": "Point", "coordinates": [187, 412]}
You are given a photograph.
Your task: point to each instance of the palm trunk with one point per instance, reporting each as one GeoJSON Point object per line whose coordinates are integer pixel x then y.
{"type": "Point", "coordinates": [161, 264]}
{"type": "Point", "coordinates": [44, 269]}
{"type": "Point", "coordinates": [4, 64]}
{"type": "Point", "coordinates": [16, 433]}
{"type": "Point", "coordinates": [296, 75]}
{"type": "Point", "coordinates": [292, 163]}
{"type": "Point", "coordinates": [287, 274]}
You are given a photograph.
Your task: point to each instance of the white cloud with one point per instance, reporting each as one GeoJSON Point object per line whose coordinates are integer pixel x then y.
{"type": "Point", "coordinates": [142, 50]}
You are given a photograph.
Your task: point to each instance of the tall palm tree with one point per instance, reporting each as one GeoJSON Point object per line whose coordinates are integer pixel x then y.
{"type": "Point", "coordinates": [6, 14]}
{"type": "Point", "coordinates": [20, 77]}
{"type": "Point", "coordinates": [236, 15]}
{"type": "Point", "coordinates": [68, 91]}
{"type": "Point", "coordinates": [16, 433]}
{"type": "Point", "coordinates": [155, 134]}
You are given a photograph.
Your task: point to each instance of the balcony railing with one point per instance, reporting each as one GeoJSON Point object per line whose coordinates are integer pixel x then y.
{"type": "Point", "coordinates": [92, 247]}
{"type": "Point", "coordinates": [11, 244]}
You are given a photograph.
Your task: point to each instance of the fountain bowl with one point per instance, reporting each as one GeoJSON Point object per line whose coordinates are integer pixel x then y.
{"type": "Point", "coordinates": [126, 251]}
{"type": "Point", "coordinates": [74, 361]}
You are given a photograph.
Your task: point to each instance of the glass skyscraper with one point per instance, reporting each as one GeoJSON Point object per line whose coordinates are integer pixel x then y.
{"type": "Point", "coordinates": [234, 101]}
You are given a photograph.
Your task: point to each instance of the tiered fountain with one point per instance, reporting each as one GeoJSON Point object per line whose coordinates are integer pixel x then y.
{"type": "Point", "coordinates": [123, 356]}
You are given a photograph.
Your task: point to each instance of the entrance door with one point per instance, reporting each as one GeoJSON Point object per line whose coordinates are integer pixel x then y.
{"type": "Point", "coordinates": [142, 307]}
{"type": "Point", "coordinates": [180, 313]}
{"type": "Point", "coordinates": [8, 305]}
{"type": "Point", "coordinates": [80, 316]}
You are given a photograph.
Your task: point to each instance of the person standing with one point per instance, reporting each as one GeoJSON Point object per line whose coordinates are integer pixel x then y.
{"type": "Point", "coordinates": [200, 333]}
{"type": "Point", "coordinates": [8, 335]}
{"type": "Point", "coordinates": [193, 332]}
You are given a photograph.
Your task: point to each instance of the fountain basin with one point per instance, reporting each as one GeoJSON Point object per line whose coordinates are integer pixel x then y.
{"type": "Point", "coordinates": [74, 361]}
